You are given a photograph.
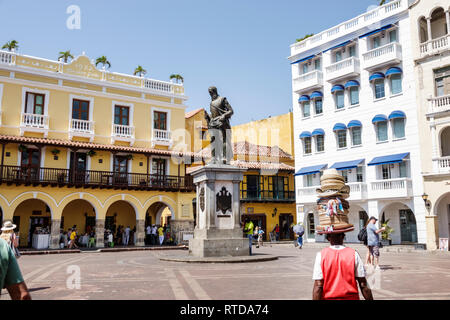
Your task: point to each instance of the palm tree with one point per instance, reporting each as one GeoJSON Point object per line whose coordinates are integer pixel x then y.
{"type": "Point", "coordinates": [104, 61]}
{"type": "Point", "coordinates": [65, 55]}
{"type": "Point", "coordinates": [12, 45]}
{"type": "Point", "coordinates": [140, 71]}
{"type": "Point", "coordinates": [382, 2]}
{"type": "Point", "coordinates": [177, 77]}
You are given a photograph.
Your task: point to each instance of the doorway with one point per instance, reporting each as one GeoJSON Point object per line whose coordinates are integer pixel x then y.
{"type": "Point", "coordinates": [37, 222]}
{"type": "Point", "coordinates": [408, 228]}
{"type": "Point", "coordinates": [30, 162]}
{"type": "Point", "coordinates": [286, 233]}
{"type": "Point", "coordinates": [79, 165]}
{"type": "Point", "coordinates": [311, 226]}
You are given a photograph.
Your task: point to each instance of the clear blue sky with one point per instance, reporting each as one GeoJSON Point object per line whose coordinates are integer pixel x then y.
{"type": "Point", "coordinates": [240, 46]}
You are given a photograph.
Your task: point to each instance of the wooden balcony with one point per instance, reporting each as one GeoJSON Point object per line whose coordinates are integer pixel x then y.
{"type": "Point", "coordinates": [54, 177]}
{"type": "Point", "coordinates": [267, 196]}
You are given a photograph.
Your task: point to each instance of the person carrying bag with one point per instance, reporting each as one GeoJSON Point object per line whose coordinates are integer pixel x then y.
{"type": "Point", "coordinates": [10, 237]}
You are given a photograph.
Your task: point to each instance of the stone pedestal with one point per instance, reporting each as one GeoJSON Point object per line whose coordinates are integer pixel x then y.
{"type": "Point", "coordinates": [100, 233]}
{"type": "Point", "coordinates": [432, 232]}
{"type": "Point", "coordinates": [218, 231]}
{"type": "Point", "coordinates": [55, 234]}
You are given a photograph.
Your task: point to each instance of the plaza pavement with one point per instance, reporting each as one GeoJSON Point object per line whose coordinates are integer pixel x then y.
{"type": "Point", "coordinates": [142, 275]}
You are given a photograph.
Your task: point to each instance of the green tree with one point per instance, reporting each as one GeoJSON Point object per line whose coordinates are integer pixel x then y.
{"type": "Point", "coordinates": [140, 71]}
{"type": "Point", "coordinates": [65, 55]}
{"type": "Point", "coordinates": [177, 78]}
{"type": "Point", "coordinates": [11, 45]}
{"type": "Point", "coordinates": [103, 61]}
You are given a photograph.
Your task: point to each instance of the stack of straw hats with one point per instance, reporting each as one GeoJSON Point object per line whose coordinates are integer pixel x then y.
{"type": "Point", "coordinates": [332, 205]}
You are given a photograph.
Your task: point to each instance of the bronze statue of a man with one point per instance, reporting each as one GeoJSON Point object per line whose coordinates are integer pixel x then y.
{"type": "Point", "coordinates": [219, 128]}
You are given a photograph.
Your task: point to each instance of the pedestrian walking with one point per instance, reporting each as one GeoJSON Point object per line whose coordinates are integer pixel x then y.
{"type": "Point", "coordinates": [10, 237]}
{"type": "Point", "coordinates": [110, 239]}
{"type": "Point", "coordinates": [126, 236]}
{"type": "Point", "coordinates": [73, 239]}
{"type": "Point", "coordinates": [260, 237]}
{"type": "Point", "coordinates": [299, 230]}
{"type": "Point", "coordinates": [148, 233]}
{"type": "Point", "coordinates": [10, 275]}
{"type": "Point", "coordinates": [91, 241]}
{"type": "Point", "coordinates": [154, 235]}
{"type": "Point", "coordinates": [248, 231]}
{"type": "Point", "coordinates": [338, 270]}
{"type": "Point", "coordinates": [161, 235]}
{"type": "Point", "coordinates": [276, 230]}
{"type": "Point", "coordinates": [373, 241]}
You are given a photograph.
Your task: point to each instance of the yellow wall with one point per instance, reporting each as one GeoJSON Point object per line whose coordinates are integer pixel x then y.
{"type": "Point", "coordinates": [124, 212]}
{"type": "Point", "coordinates": [274, 131]}
{"type": "Point", "coordinates": [75, 214]}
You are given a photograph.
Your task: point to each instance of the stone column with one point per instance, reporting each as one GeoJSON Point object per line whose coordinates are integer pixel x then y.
{"type": "Point", "coordinates": [100, 233]}
{"type": "Point", "coordinates": [432, 232]}
{"type": "Point", "coordinates": [447, 18]}
{"type": "Point", "coordinates": [434, 145]}
{"type": "Point", "coordinates": [236, 204]}
{"type": "Point", "coordinates": [55, 234]}
{"type": "Point", "coordinates": [429, 28]}
{"type": "Point", "coordinates": [140, 230]}
{"type": "Point", "coordinates": [211, 213]}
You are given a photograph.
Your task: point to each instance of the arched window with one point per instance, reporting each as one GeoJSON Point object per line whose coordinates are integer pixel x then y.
{"type": "Point", "coordinates": [445, 142]}
{"type": "Point", "coordinates": [423, 30]}
{"type": "Point", "coordinates": [438, 24]}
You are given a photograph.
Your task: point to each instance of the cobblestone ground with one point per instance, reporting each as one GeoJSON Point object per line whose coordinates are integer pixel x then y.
{"type": "Point", "coordinates": [141, 275]}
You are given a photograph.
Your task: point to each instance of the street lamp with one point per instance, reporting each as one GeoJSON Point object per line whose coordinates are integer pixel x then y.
{"type": "Point", "coordinates": [426, 201]}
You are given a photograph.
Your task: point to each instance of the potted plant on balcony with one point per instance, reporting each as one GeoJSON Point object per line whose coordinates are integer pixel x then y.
{"type": "Point", "coordinates": [23, 148]}
{"type": "Point", "coordinates": [55, 153]}
{"type": "Point", "coordinates": [385, 235]}
{"type": "Point", "coordinates": [129, 157]}
{"type": "Point", "coordinates": [91, 153]}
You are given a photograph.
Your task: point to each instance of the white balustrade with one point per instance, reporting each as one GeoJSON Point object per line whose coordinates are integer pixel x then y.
{"type": "Point", "coordinates": [439, 104]}
{"type": "Point", "coordinates": [442, 164]}
{"type": "Point", "coordinates": [390, 53]}
{"type": "Point", "coordinates": [308, 80]}
{"type": "Point", "coordinates": [122, 131]}
{"type": "Point", "coordinates": [342, 68]}
{"type": "Point", "coordinates": [158, 85]}
{"type": "Point", "coordinates": [391, 188]}
{"type": "Point", "coordinates": [366, 19]}
{"type": "Point", "coordinates": [161, 135]}
{"type": "Point", "coordinates": [31, 120]}
{"type": "Point", "coordinates": [435, 45]}
{"type": "Point", "coordinates": [358, 190]}
{"type": "Point", "coordinates": [307, 194]}
{"type": "Point", "coordinates": [83, 126]}
{"type": "Point", "coordinates": [7, 57]}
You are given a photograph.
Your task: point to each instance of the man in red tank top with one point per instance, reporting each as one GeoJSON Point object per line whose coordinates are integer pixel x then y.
{"type": "Point", "coordinates": [337, 270]}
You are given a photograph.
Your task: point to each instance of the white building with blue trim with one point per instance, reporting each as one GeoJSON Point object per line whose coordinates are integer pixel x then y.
{"type": "Point", "coordinates": [355, 109]}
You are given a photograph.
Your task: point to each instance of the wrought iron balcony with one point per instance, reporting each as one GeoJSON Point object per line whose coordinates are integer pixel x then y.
{"type": "Point", "coordinates": [267, 196]}
{"type": "Point", "coordinates": [54, 177]}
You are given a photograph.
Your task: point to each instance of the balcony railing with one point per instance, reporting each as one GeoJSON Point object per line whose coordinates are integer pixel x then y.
{"type": "Point", "coordinates": [441, 165]}
{"type": "Point", "coordinates": [358, 190]}
{"type": "Point", "coordinates": [391, 188]}
{"type": "Point", "coordinates": [267, 196]}
{"type": "Point", "coordinates": [308, 81]}
{"type": "Point", "coordinates": [307, 194]}
{"type": "Point", "coordinates": [31, 120]}
{"type": "Point", "coordinates": [122, 133]}
{"type": "Point", "coordinates": [344, 68]}
{"type": "Point", "coordinates": [161, 137]}
{"type": "Point", "coordinates": [439, 104]}
{"type": "Point", "coordinates": [93, 179]}
{"type": "Point", "coordinates": [384, 55]}
{"type": "Point", "coordinates": [364, 20]}
{"type": "Point", "coordinates": [435, 45]}
{"type": "Point", "coordinates": [7, 57]}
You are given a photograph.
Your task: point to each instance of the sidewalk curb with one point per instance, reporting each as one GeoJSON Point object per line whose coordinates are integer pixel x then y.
{"type": "Point", "coordinates": [99, 250]}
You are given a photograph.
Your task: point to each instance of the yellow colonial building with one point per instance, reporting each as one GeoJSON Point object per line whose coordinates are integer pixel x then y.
{"type": "Point", "coordinates": [92, 148]}
{"type": "Point", "coordinates": [267, 191]}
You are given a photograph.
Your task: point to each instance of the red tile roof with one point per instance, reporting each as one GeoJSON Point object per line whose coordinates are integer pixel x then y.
{"type": "Point", "coordinates": [192, 113]}
{"type": "Point", "coordinates": [250, 149]}
{"type": "Point", "coordinates": [252, 165]}
{"type": "Point", "coordinates": [90, 145]}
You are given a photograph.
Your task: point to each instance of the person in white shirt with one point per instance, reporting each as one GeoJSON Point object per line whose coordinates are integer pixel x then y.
{"type": "Point", "coordinates": [127, 236]}
{"type": "Point", "coordinates": [154, 231]}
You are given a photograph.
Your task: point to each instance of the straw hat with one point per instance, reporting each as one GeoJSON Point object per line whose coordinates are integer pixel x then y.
{"type": "Point", "coordinates": [8, 225]}
{"type": "Point", "coordinates": [334, 231]}
{"type": "Point", "coordinates": [343, 192]}
{"type": "Point", "coordinates": [331, 174]}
